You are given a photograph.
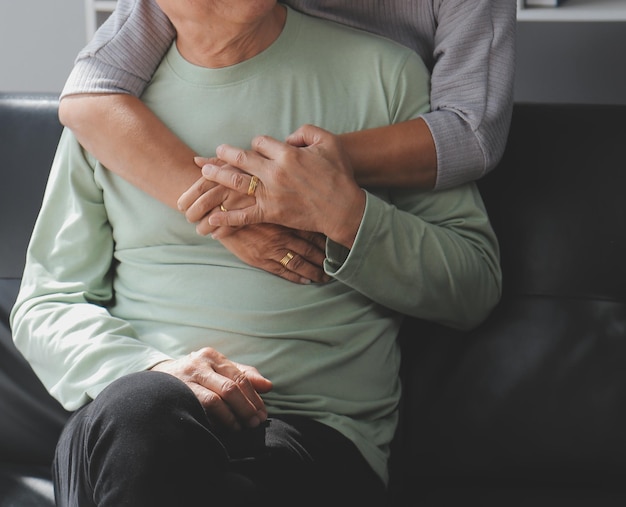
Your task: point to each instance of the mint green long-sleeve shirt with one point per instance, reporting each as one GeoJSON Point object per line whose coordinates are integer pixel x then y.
{"type": "Point", "coordinates": [115, 281]}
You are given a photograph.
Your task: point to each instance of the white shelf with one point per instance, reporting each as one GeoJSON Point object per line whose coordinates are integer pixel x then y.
{"type": "Point", "coordinates": [576, 10]}
{"type": "Point", "coordinates": [105, 5]}
{"type": "Point", "coordinates": [96, 11]}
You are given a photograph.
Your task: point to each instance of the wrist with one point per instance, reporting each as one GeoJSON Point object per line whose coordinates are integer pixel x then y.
{"type": "Point", "coordinates": [345, 224]}
{"type": "Point", "coordinates": [159, 366]}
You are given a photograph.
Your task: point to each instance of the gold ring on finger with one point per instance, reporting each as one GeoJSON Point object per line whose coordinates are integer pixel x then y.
{"type": "Point", "coordinates": [223, 208]}
{"type": "Point", "coordinates": [285, 260]}
{"type": "Point", "coordinates": [254, 181]}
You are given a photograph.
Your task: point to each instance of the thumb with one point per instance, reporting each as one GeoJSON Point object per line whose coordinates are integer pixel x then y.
{"type": "Point", "coordinates": [306, 135]}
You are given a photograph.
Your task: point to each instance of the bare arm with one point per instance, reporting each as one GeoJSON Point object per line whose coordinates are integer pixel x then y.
{"type": "Point", "coordinates": [124, 134]}
{"type": "Point", "coordinates": [402, 154]}
{"type": "Point", "coordinates": [121, 132]}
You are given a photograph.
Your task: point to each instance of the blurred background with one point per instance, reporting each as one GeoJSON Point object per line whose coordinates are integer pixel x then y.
{"type": "Point", "coordinates": [575, 52]}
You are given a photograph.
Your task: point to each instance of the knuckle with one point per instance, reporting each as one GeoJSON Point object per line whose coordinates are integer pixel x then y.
{"type": "Point", "coordinates": [228, 388]}
{"type": "Point", "coordinates": [203, 204]}
{"type": "Point", "coordinates": [209, 400]}
{"type": "Point", "coordinates": [259, 141]}
{"type": "Point", "coordinates": [296, 262]}
{"type": "Point", "coordinates": [245, 220]}
{"type": "Point", "coordinates": [309, 251]}
{"type": "Point", "coordinates": [189, 371]}
{"type": "Point", "coordinates": [240, 157]}
{"type": "Point", "coordinates": [209, 354]}
{"type": "Point", "coordinates": [238, 180]}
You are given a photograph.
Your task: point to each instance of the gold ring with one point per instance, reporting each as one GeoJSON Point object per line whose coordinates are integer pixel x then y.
{"type": "Point", "coordinates": [223, 208]}
{"type": "Point", "coordinates": [253, 183]}
{"type": "Point", "coordinates": [285, 260]}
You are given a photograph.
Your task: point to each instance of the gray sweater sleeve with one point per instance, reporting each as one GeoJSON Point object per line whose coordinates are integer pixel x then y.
{"type": "Point", "coordinates": [469, 44]}
{"type": "Point", "coordinates": [471, 87]}
{"type": "Point", "coordinates": [124, 52]}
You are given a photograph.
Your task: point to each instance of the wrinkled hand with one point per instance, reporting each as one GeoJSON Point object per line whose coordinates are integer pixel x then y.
{"type": "Point", "coordinates": [264, 245]}
{"type": "Point", "coordinates": [228, 391]}
{"type": "Point", "coordinates": [261, 245]}
{"type": "Point", "coordinates": [205, 197]}
{"type": "Point", "coordinates": [306, 185]}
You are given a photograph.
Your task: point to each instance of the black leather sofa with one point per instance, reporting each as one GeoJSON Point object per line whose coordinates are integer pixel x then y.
{"type": "Point", "coordinates": [529, 409]}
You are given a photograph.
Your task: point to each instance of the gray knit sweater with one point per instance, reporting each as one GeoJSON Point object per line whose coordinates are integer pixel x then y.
{"type": "Point", "coordinates": [469, 45]}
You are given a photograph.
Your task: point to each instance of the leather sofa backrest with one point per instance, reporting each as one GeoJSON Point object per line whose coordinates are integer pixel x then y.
{"type": "Point", "coordinates": [536, 395]}
{"type": "Point", "coordinates": [30, 419]}
{"type": "Point", "coordinates": [29, 133]}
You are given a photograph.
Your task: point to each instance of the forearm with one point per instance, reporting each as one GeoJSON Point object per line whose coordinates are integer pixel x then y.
{"type": "Point", "coordinates": [123, 134]}
{"type": "Point", "coordinates": [60, 322]}
{"type": "Point", "coordinates": [439, 253]}
{"type": "Point", "coordinates": [400, 155]}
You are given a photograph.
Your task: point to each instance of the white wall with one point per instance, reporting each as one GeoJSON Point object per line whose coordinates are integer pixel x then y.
{"type": "Point", "coordinates": [39, 40]}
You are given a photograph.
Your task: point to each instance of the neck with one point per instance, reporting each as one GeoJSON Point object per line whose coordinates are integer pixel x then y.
{"type": "Point", "coordinates": [219, 43]}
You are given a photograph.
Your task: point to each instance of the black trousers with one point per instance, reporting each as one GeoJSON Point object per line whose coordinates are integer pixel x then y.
{"type": "Point", "coordinates": [146, 441]}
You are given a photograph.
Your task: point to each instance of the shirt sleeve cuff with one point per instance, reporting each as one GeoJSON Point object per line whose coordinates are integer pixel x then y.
{"type": "Point", "coordinates": [459, 156]}
{"type": "Point", "coordinates": [343, 262]}
{"type": "Point", "coordinates": [86, 77]}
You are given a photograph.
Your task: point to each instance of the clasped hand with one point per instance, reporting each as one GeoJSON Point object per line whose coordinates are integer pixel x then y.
{"type": "Point", "coordinates": [305, 184]}
{"type": "Point", "coordinates": [228, 391]}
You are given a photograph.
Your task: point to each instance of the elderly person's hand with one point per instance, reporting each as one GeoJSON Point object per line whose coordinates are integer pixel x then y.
{"type": "Point", "coordinates": [228, 391]}
{"type": "Point", "coordinates": [262, 245]}
{"type": "Point", "coordinates": [306, 185]}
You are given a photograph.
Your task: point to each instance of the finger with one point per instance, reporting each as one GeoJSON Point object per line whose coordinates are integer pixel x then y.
{"type": "Point", "coordinates": [192, 371]}
{"type": "Point", "coordinates": [215, 408]}
{"type": "Point", "coordinates": [204, 227]}
{"type": "Point", "coordinates": [240, 394]}
{"type": "Point", "coordinates": [218, 374]}
{"type": "Point", "coordinates": [230, 177]}
{"type": "Point", "coordinates": [269, 147]}
{"type": "Point", "coordinates": [236, 382]}
{"type": "Point", "coordinates": [306, 135]}
{"type": "Point", "coordinates": [194, 193]}
{"type": "Point", "coordinates": [258, 381]}
{"type": "Point", "coordinates": [236, 218]}
{"type": "Point", "coordinates": [276, 268]}
{"type": "Point", "coordinates": [206, 203]}
{"type": "Point", "coordinates": [200, 161]}
{"type": "Point", "coordinates": [235, 394]}
{"type": "Point", "coordinates": [292, 263]}
{"type": "Point", "coordinates": [315, 238]}
{"type": "Point", "coordinates": [248, 161]}
{"type": "Point", "coordinates": [303, 258]}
